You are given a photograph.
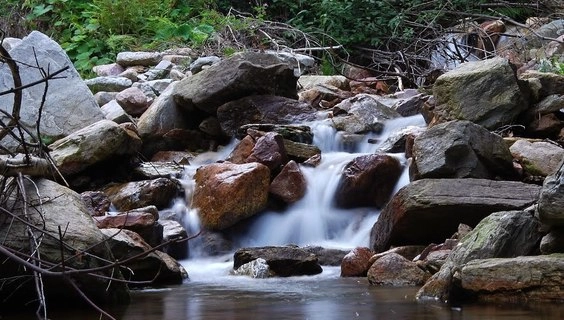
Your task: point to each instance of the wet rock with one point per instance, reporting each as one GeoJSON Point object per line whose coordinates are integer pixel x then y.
{"type": "Point", "coordinates": [173, 230]}
{"type": "Point", "coordinates": [242, 150]}
{"type": "Point", "coordinates": [257, 269]}
{"type": "Point", "coordinates": [93, 144]}
{"type": "Point", "coordinates": [361, 114]}
{"type": "Point", "coordinates": [395, 270]}
{"type": "Point", "coordinates": [296, 133]}
{"type": "Point", "coordinates": [484, 92]}
{"type": "Point", "coordinates": [158, 192]}
{"type": "Point", "coordinates": [156, 267]}
{"type": "Point", "coordinates": [96, 202]}
{"type": "Point", "coordinates": [290, 184]}
{"type": "Point", "coordinates": [444, 204]}
{"type": "Point", "coordinates": [300, 152]}
{"type": "Point", "coordinates": [234, 78]}
{"type": "Point", "coordinates": [502, 234]}
{"type": "Point", "coordinates": [460, 149]}
{"type": "Point", "coordinates": [356, 263]}
{"type": "Point", "coordinates": [368, 181]}
{"type": "Point", "coordinates": [520, 279]}
{"type": "Point", "coordinates": [227, 193]}
{"type": "Point", "coordinates": [283, 261]}
{"type": "Point", "coordinates": [270, 151]}
{"type": "Point", "coordinates": [262, 109]}
{"type": "Point", "coordinates": [154, 170]}
{"type": "Point", "coordinates": [327, 256]}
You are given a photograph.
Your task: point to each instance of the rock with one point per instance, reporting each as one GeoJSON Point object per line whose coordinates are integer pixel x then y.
{"type": "Point", "coordinates": [156, 267]}
{"type": "Point", "coordinates": [127, 59]}
{"type": "Point", "coordinates": [104, 97]}
{"type": "Point", "coordinates": [158, 192]}
{"type": "Point", "coordinates": [9, 43]}
{"type": "Point", "coordinates": [127, 220]}
{"type": "Point", "coordinates": [69, 105]}
{"type": "Point", "coordinates": [173, 230]}
{"type": "Point", "coordinates": [226, 193]}
{"type": "Point", "coordinates": [551, 201]}
{"type": "Point", "coordinates": [537, 158]}
{"type": "Point", "coordinates": [65, 211]}
{"type": "Point", "coordinates": [95, 143]}
{"type": "Point", "coordinates": [546, 125]}
{"type": "Point", "coordinates": [515, 280]}
{"type": "Point", "coordinates": [177, 157]}
{"type": "Point", "coordinates": [548, 83]}
{"type": "Point", "coordinates": [485, 92]}
{"type": "Point", "coordinates": [356, 263]}
{"type": "Point", "coordinates": [502, 234]}
{"type": "Point", "coordinates": [154, 170]}
{"type": "Point", "coordinates": [113, 111]}
{"type": "Point", "coordinates": [362, 113]}
{"type": "Point", "coordinates": [444, 204]}
{"type": "Point", "coordinates": [368, 180]}
{"type": "Point", "coordinates": [327, 256]}
{"type": "Point", "coordinates": [242, 150]}
{"type": "Point", "coordinates": [270, 151]}
{"type": "Point", "coordinates": [324, 96]}
{"type": "Point", "coordinates": [108, 84]}
{"type": "Point", "coordinates": [395, 270]}
{"type": "Point", "coordinates": [257, 269]}
{"type": "Point", "coordinates": [553, 242]}
{"type": "Point", "coordinates": [290, 184]}
{"type": "Point", "coordinates": [107, 70]}
{"type": "Point", "coordinates": [198, 64]}
{"type": "Point", "coordinates": [307, 82]}
{"type": "Point", "coordinates": [296, 133]}
{"type": "Point", "coordinates": [397, 142]}
{"type": "Point", "coordinates": [234, 78]}
{"type": "Point", "coordinates": [133, 101]}
{"type": "Point", "coordinates": [96, 202]}
{"type": "Point", "coordinates": [262, 109]}
{"type": "Point", "coordinates": [300, 152]}
{"type": "Point", "coordinates": [460, 149]}
{"type": "Point", "coordinates": [283, 261]}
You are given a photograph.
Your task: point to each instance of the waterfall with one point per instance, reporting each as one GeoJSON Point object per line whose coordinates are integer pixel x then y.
{"type": "Point", "coordinates": [313, 220]}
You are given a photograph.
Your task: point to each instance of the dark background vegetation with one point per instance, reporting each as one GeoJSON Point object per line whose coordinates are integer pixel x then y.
{"type": "Point", "coordinates": [94, 31]}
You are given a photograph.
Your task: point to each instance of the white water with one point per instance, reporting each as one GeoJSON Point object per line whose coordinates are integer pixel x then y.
{"type": "Point", "coordinates": [314, 220]}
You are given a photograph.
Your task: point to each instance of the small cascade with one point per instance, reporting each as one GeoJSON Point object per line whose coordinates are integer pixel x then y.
{"type": "Point", "coordinates": [314, 220]}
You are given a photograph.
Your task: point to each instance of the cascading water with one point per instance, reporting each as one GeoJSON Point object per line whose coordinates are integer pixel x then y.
{"type": "Point", "coordinates": [314, 220]}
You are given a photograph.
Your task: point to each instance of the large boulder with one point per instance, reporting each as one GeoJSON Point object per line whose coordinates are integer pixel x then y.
{"type": "Point", "coordinates": [485, 92]}
{"type": "Point", "coordinates": [226, 193]}
{"type": "Point", "coordinates": [502, 234]}
{"type": "Point", "coordinates": [356, 263]}
{"type": "Point", "coordinates": [262, 109]}
{"type": "Point", "coordinates": [95, 143]}
{"type": "Point", "coordinates": [551, 199]}
{"type": "Point", "coordinates": [234, 78]}
{"type": "Point", "coordinates": [69, 104]}
{"type": "Point", "coordinates": [63, 229]}
{"type": "Point", "coordinates": [520, 279]}
{"type": "Point", "coordinates": [283, 261]}
{"type": "Point", "coordinates": [430, 210]}
{"type": "Point", "coordinates": [460, 149]}
{"type": "Point", "coordinates": [368, 180]}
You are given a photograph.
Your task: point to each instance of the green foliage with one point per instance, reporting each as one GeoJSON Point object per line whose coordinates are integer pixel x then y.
{"type": "Point", "coordinates": [551, 65]}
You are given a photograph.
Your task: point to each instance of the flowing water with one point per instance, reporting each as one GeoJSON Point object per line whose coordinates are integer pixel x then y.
{"type": "Point", "coordinates": [211, 293]}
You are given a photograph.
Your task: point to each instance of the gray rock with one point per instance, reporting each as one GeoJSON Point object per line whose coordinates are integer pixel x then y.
{"type": "Point", "coordinates": [9, 43]}
{"type": "Point", "coordinates": [442, 204]}
{"type": "Point", "coordinates": [236, 77]}
{"type": "Point", "coordinates": [65, 211]}
{"type": "Point", "coordinates": [537, 158]}
{"type": "Point", "coordinates": [110, 84]}
{"type": "Point", "coordinates": [198, 64]}
{"type": "Point", "coordinates": [502, 234]}
{"type": "Point", "coordinates": [283, 261]}
{"type": "Point", "coordinates": [127, 59]}
{"type": "Point", "coordinates": [69, 105]}
{"type": "Point", "coordinates": [90, 145]}
{"type": "Point", "coordinates": [113, 111]}
{"type": "Point", "coordinates": [553, 242]}
{"type": "Point", "coordinates": [361, 114]}
{"type": "Point", "coordinates": [484, 92]}
{"type": "Point", "coordinates": [257, 269]}
{"type": "Point", "coordinates": [551, 199]}
{"type": "Point", "coordinates": [460, 149]}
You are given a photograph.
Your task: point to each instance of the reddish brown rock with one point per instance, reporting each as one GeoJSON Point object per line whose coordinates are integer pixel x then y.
{"type": "Point", "coordinates": [290, 184]}
{"type": "Point", "coordinates": [179, 157]}
{"type": "Point", "coordinates": [395, 270]}
{"type": "Point", "coordinates": [227, 193]}
{"type": "Point", "coordinates": [242, 150]}
{"type": "Point", "coordinates": [133, 101]}
{"type": "Point", "coordinates": [270, 151]}
{"type": "Point", "coordinates": [368, 180]}
{"type": "Point", "coordinates": [356, 263]}
{"type": "Point", "coordinates": [130, 220]}
{"type": "Point", "coordinates": [96, 202]}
